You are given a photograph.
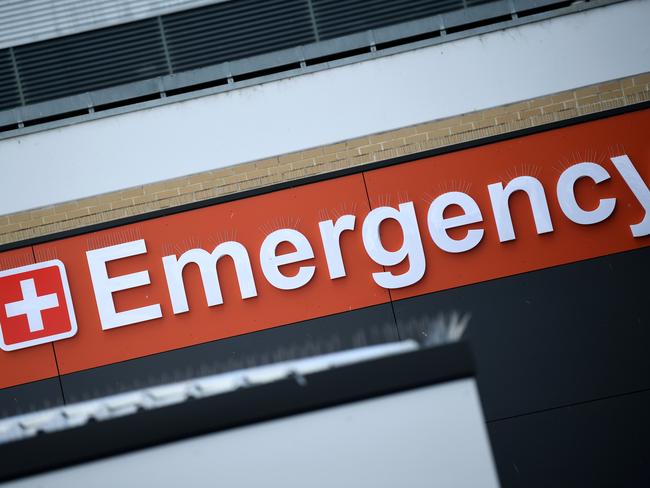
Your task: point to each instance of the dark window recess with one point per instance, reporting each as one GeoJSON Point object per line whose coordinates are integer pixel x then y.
{"type": "Point", "coordinates": [54, 118]}
{"type": "Point", "coordinates": [7, 128]}
{"type": "Point", "coordinates": [197, 87]}
{"type": "Point", "coordinates": [129, 101]}
{"type": "Point", "coordinates": [335, 56]}
{"type": "Point", "coordinates": [266, 72]}
{"type": "Point", "coordinates": [545, 8]}
{"type": "Point", "coordinates": [9, 96]}
{"type": "Point", "coordinates": [408, 40]}
{"type": "Point", "coordinates": [237, 29]}
{"type": "Point", "coordinates": [480, 23]}
{"type": "Point", "coordinates": [91, 60]}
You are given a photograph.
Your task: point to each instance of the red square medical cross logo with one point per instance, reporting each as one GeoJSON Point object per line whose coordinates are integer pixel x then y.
{"type": "Point", "coordinates": [35, 306]}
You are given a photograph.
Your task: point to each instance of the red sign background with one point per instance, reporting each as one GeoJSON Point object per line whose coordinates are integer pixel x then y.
{"type": "Point", "coordinates": [544, 155]}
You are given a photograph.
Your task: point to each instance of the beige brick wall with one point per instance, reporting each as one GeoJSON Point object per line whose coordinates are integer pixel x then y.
{"type": "Point", "coordinates": [354, 152]}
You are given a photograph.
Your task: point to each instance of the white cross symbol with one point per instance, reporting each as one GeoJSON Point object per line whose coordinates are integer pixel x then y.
{"type": "Point", "coordinates": [32, 305]}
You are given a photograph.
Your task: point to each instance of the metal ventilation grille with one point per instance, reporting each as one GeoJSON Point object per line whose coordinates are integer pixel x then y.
{"type": "Point", "coordinates": [91, 60]}
{"type": "Point", "coordinates": [9, 96]}
{"type": "Point", "coordinates": [336, 18]}
{"type": "Point", "coordinates": [233, 30]}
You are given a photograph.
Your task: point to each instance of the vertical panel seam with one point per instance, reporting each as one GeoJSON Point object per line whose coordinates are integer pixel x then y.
{"type": "Point", "coordinates": [56, 361]}
{"type": "Point", "coordinates": [163, 38]}
{"type": "Point", "coordinates": [313, 20]}
{"type": "Point", "coordinates": [19, 86]}
{"type": "Point", "coordinates": [390, 295]}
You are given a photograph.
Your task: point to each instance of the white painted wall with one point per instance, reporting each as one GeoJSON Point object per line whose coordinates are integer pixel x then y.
{"type": "Point", "coordinates": [431, 436]}
{"type": "Point", "coordinates": [324, 107]}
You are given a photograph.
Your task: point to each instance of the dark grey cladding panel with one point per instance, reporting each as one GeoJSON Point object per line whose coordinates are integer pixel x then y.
{"type": "Point", "coordinates": [552, 337]}
{"type": "Point", "coordinates": [367, 326]}
{"type": "Point", "coordinates": [30, 397]}
{"type": "Point", "coordinates": [605, 443]}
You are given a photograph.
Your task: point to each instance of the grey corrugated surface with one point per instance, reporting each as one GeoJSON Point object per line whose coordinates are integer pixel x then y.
{"type": "Point", "coordinates": [8, 89]}
{"type": "Point", "coordinates": [91, 60]}
{"type": "Point", "coordinates": [224, 30]}
{"type": "Point", "coordinates": [26, 21]}
{"type": "Point", "coordinates": [337, 18]}
{"type": "Point", "coordinates": [221, 32]}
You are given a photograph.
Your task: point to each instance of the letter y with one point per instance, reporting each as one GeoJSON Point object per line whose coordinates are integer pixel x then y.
{"type": "Point", "coordinates": [640, 190]}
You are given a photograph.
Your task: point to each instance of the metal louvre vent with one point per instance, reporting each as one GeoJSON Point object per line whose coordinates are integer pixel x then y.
{"type": "Point", "coordinates": [153, 58]}
{"type": "Point", "coordinates": [233, 30]}
{"type": "Point", "coordinates": [9, 96]}
{"type": "Point", "coordinates": [336, 18]}
{"type": "Point", "coordinates": [91, 60]}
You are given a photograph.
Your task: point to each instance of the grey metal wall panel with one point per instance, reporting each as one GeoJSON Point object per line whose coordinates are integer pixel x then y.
{"type": "Point", "coordinates": [553, 337]}
{"type": "Point", "coordinates": [598, 444]}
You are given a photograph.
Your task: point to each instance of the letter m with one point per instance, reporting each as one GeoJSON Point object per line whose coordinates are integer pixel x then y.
{"type": "Point", "coordinates": [207, 263]}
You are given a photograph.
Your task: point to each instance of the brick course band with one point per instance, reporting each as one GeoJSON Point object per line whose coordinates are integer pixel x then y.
{"type": "Point", "coordinates": [354, 152]}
